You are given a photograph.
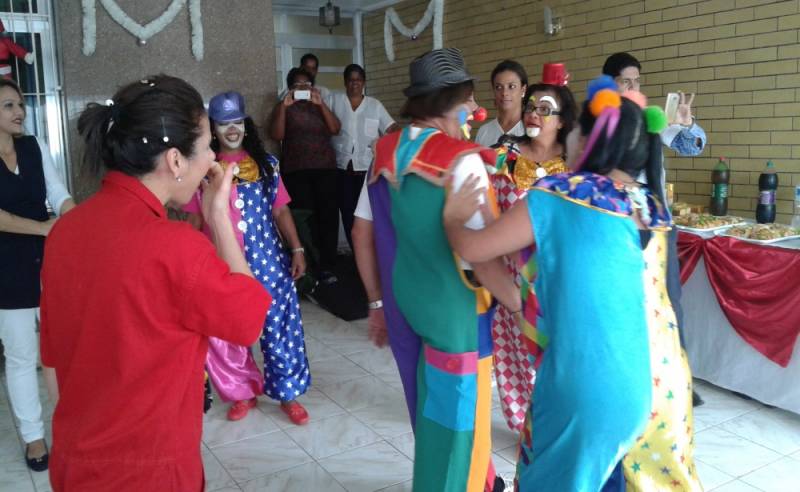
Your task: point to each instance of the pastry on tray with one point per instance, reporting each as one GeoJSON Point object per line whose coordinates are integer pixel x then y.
{"type": "Point", "coordinates": [706, 221]}
{"type": "Point", "coordinates": [762, 232]}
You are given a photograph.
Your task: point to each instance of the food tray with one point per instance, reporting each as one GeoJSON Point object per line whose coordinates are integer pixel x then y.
{"type": "Point", "coordinates": [708, 230]}
{"type": "Point", "coordinates": [762, 241]}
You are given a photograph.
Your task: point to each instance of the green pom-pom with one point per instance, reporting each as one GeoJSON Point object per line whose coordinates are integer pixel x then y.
{"type": "Point", "coordinates": [655, 118]}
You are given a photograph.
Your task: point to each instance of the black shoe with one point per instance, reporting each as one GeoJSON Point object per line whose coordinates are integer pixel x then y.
{"type": "Point", "coordinates": [696, 400]}
{"type": "Point", "coordinates": [327, 278]}
{"type": "Point", "coordinates": [37, 464]}
{"type": "Point", "coordinates": [499, 484]}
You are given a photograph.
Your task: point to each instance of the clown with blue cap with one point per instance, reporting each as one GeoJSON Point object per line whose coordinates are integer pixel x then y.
{"type": "Point", "coordinates": [260, 212]}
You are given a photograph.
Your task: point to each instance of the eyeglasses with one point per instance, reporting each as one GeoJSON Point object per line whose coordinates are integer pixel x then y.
{"type": "Point", "coordinates": [541, 110]}
{"type": "Point", "coordinates": [301, 85]}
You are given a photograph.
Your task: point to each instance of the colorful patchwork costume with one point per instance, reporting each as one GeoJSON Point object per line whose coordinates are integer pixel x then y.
{"type": "Point", "coordinates": [512, 176]}
{"type": "Point", "coordinates": [588, 326]}
{"type": "Point", "coordinates": [439, 325]}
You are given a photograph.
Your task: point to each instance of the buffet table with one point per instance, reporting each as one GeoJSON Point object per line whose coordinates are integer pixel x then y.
{"type": "Point", "coordinates": [741, 304]}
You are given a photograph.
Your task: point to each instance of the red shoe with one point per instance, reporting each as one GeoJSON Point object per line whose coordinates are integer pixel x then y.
{"type": "Point", "coordinates": [296, 412]}
{"type": "Point", "coordinates": [239, 409]}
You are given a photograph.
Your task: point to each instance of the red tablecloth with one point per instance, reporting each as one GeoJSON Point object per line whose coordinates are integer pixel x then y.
{"type": "Point", "coordinates": [757, 287]}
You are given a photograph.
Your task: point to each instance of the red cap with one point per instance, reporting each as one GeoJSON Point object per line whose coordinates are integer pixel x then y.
{"type": "Point", "coordinates": [555, 74]}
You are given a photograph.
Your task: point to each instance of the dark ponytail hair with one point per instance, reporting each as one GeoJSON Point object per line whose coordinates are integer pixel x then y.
{"type": "Point", "coordinates": [142, 120]}
{"type": "Point", "coordinates": [630, 149]}
{"type": "Point", "coordinates": [567, 108]}
{"type": "Point", "coordinates": [251, 143]}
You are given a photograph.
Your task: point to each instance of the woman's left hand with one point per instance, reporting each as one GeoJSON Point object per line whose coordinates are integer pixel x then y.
{"type": "Point", "coordinates": [316, 97]}
{"type": "Point", "coordinates": [298, 264]}
{"type": "Point", "coordinates": [460, 205]}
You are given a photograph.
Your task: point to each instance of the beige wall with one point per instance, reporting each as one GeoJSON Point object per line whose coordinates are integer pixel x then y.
{"type": "Point", "coordinates": [239, 55]}
{"type": "Point", "coordinates": [739, 56]}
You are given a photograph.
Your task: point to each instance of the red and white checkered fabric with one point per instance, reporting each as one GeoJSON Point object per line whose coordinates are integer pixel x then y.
{"type": "Point", "coordinates": [513, 371]}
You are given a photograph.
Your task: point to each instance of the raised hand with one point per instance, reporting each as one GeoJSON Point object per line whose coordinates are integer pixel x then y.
{"type": "Point", "coordinates": [684, 114]}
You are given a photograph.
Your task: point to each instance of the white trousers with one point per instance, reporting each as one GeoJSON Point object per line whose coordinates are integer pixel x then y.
{"type": "Point", "coordinates": [21, 349]}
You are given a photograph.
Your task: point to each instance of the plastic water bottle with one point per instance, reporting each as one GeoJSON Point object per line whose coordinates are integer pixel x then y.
{"type": "Point", "coordinates": [767, 186]}
{"type": "Point", "coordinates": [796, 216]}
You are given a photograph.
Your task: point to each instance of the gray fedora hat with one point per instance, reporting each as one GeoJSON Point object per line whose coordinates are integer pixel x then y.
{"type": "Point", "coordinates": [435, 70]}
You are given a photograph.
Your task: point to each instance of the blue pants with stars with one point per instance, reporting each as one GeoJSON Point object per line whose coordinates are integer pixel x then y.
{"type": "Point", "coordinates": [286, 374]}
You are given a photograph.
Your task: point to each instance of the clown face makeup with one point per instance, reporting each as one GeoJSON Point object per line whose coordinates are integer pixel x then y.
{"type": "Point", "coordinates": [230, 135]}
{"type": "Point", "coordinates": [539, 115]}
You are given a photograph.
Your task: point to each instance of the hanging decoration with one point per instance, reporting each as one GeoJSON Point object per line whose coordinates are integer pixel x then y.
{"type": "Point", "coordinates": [434, 12]}
{"type": "Point", "coordinates": [142, 32]}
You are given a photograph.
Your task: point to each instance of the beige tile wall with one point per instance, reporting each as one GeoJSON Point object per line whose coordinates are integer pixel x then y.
{"type": "Point", "coordinates": [739, 56]}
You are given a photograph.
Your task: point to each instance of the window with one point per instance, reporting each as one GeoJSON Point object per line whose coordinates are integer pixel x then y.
{"type": "Point", "coordinates": [29, 24]}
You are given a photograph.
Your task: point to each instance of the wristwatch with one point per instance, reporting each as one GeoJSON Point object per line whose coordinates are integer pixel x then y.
{"type": "Point", "coordinates": [375, 304]}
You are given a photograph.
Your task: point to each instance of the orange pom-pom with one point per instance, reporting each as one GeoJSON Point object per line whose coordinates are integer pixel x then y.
{"type": "Point", "coordinates": [605, 98]}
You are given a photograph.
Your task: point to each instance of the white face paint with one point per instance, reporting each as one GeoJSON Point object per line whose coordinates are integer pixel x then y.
{"type": "Point", "coordinates": [230, 135]}
{"type": "Point", "coordinates": [532, 131]}
{"type": "Point", "coordinates": [551, 100]}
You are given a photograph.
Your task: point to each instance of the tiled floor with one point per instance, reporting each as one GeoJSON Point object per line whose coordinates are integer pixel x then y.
{"type": "Point", "coordinates": [359, 438]}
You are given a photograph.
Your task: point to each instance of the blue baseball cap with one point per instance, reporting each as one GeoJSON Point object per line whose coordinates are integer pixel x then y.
{"type": "Point", "coordinates": [227, 107]}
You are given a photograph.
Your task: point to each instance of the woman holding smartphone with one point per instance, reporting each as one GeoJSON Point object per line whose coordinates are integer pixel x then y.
{"type": "Point", "coordinates": [304, 124]}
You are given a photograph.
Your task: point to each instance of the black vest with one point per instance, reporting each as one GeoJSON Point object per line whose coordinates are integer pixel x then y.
{"type": "Point", "coordinates": [23, 195]}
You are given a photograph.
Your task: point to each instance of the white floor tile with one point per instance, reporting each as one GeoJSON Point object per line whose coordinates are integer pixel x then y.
{"type": "Point", "coordinates": [258, 456]}
{"type": "Point", "coordinates": [502, 435]}
{"type": "Point", "coordinates": [721, 405]}
{"type": "Point", "coordinates": [406, 486]}
{"type": "Point", "coordinates": [388, 419]}
{"type": "Point", "coordinates": [359, 393]}
{"type": "Point", "coordinates": [15, 477]}
{"type": "Point", "coordinates": [510, 453]}
{"type": "Point", "coordinates": [775, 429]}
{"type": "Point", "coordinates": [404, 444]}
{"type": "Point", "coordinates": [730, 453]}
{"type": "Point", "coordinates": [331, 436]}
{"type": "Point", "coordinates": [336, 370]}
{"type": "Point", "coordinates": [317, 404]}
{"type": "Point", "coordinates": [710, 477]}
{"type": "Point", "coordinates": [739, 486]}
{"type": "Point", "coordinates": [318, 352]}
{"type": "Point", "coordinates": [218, 430]}
{"type": "Point", "coordinates": [303, 478]}
{"type": "Point", "coordinates": [375, 360]}
{"type": "Point", "coordinates": [783, 474]}
{"type": "Point", "coordinates": [504, 468]}
{"type": "Point", "coordinates": [378, 466]}
{"type": "Point", "coordinates": [216, 475]}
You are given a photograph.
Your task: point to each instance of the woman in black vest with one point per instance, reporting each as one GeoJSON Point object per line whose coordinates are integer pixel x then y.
{"type": "Point", "coordinates": [27, 178]}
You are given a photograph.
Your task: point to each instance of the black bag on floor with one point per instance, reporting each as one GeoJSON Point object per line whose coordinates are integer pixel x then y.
{"type": "Point", "coordinates": [344, 298]}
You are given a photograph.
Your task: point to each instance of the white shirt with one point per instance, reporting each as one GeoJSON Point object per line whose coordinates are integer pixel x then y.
{"type": "Point", "coordinates": [57, 193]}
{"type": "Point", "coordinates": [470, 164]}
{"type": "Point", "coordinates": [360, 129]}
{"type": "Point", "coordinates": [491, 132]}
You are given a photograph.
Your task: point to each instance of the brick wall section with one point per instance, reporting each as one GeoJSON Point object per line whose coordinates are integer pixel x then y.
{"type": "Point", "coordinates": [739, 56]}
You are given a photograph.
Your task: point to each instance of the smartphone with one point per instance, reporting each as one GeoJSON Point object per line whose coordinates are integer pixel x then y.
{"type": "Point", "coordinates": [671, 107]}
{"type": "Point", "coordinates": [304, 95]}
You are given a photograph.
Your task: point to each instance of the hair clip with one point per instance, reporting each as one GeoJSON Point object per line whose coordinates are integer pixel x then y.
{"type": "Point", "coordinates": [144, 81]}
{"type": "Point", "coordinates": [165, 138]}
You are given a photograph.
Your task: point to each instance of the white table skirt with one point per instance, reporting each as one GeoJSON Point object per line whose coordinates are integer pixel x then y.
{"type": "Point", "coordinates": [720, 356]}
